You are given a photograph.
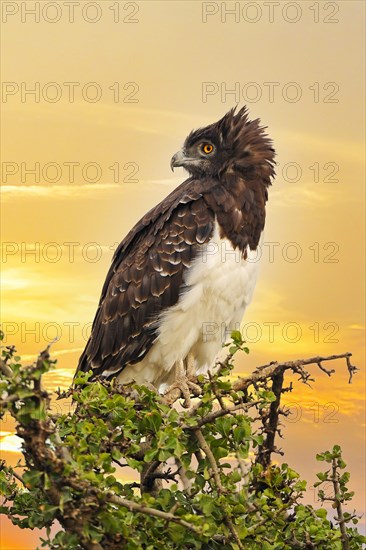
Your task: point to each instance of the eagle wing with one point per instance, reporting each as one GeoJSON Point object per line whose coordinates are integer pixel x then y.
{"type": "Point", "coordinates": [146, 277]}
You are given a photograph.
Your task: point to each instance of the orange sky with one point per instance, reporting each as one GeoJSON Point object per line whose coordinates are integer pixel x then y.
{"type": "Point", "coordinates": [172, 65]}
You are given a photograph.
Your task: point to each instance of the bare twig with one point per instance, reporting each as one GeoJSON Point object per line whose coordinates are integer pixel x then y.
{"type": "Point", "coordinates": [328, 372]}
{"type": "Point", "coordinates": [150, 482]}
{"type": "Point", "coordinates": [267, 371]}
{"type": "Point", "coordinates": [182, 472]}
{"type": "Point", "coordinates": [211, 417]}
{"type": "Point", "coordinates": [338, 504]}
{"type": "Point", "coordinates": [216, 392]}
{"type": "Point", "coordinates": [270, 422]}
{"type": "Point", "coordinates": [12, 472]}
{"type": "Point", "coordinates": [9, 399]}
{"type": "Point", "coordinates": [351, 368]}
{"type": "Point", "coordinates": [210, 457]}
{"type": "Point", "coordinates": [216, 474]}
{"type": "Point", "coordinates": [141, 508]}
{"type": "Point", "coordinates": [18, 477]}
{"type": "Point", "coordinates": [60, 446]}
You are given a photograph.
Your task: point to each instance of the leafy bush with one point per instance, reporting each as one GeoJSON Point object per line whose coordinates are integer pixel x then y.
{"type": "Point", "coordinates": [199, 477]}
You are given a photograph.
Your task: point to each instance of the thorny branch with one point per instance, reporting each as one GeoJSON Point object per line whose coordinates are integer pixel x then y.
{"type": "Point", "coordinates": [267, 371]}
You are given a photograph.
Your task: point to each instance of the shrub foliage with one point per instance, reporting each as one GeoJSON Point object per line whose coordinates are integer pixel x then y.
{"type": "Point", "coordinates": [125, 467]}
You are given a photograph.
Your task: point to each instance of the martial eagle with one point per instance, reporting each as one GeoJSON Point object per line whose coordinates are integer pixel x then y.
{"type": "Point", "coordinates": [183, 276]}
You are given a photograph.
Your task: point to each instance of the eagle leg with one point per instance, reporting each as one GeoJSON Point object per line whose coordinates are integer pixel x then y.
{"type": "Point", "coordinates": [181, 383]}
{"type": "Point", "coordinates": [190, 366]}
{"type": "Point", "coordinates": [190, 369]}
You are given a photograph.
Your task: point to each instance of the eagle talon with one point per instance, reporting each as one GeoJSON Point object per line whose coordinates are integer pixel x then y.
{"type": "Point", "coordinates": [182, 385]}
{"type": "Point", "coordinates": [186, 387]}
{"type": "Point", "coordinates": [195, 388]}
{"type": "Point", "coordinates": [186, 394]}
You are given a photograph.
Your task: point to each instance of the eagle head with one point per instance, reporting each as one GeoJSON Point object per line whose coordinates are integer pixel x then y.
{"type": "Point", "coordinates": [232, 145]}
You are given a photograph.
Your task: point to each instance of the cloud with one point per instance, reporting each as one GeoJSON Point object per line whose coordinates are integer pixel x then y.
{"type": "Point", "coordinates": [13, 279]}
{"type": "Point", "coordinates": [10, 442]}
{"type": "Point", "coordinates": [356, 327]}
{"type": "Point", "coordinates": [77, 191]}
{"type": "Point", "coordinates": [65, 191]}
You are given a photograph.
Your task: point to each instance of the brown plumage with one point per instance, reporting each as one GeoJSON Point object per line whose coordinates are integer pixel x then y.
{"type": "Point", "coordinates": [227, 188]}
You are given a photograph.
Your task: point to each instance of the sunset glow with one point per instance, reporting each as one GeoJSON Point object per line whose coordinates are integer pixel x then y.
{"type": "Point", "coordinates": [58, 237]}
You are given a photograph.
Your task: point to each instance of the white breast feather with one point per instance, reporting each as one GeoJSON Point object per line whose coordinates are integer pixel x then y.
{"type": "Point", "coordinates": [221, 287]}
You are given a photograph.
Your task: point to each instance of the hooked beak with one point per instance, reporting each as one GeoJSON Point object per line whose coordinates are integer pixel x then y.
{"type": "Point", "coordinates": [178, 160]}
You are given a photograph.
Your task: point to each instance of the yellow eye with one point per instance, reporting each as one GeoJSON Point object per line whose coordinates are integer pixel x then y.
{"type": "Point", "coordinates": [207, 148]}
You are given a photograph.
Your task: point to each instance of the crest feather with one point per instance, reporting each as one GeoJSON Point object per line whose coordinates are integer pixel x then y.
{"type": "Point", "coordinates": [249, 148]}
